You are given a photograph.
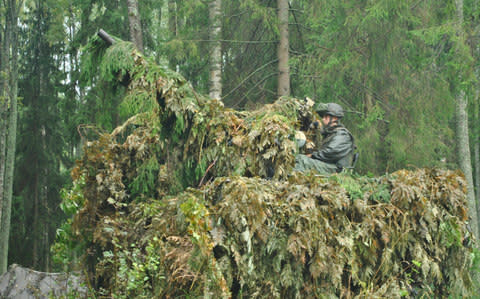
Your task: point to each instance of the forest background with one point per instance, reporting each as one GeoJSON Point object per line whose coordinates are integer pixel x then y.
{"type": "Point", "coordinates": [406, 72]}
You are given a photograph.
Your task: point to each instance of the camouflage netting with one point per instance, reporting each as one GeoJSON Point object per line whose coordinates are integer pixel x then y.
{"type": "Point", "coordinates": [23, 283]}
{"type": "Point", "coordinates": [189, 199]}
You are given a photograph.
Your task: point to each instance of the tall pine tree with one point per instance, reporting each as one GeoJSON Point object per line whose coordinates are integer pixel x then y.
{"type": "Point", "coordinates": [9, 93]}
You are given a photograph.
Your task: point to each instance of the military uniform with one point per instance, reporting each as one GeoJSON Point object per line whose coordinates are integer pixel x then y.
{"type": "Point", "coordinates": [336, 149]}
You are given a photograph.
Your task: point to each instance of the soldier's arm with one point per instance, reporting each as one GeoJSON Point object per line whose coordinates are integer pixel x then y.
{"type": "Point", "coordinates": [340, 145]}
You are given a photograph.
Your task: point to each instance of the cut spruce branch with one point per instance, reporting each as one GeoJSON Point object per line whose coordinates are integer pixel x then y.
{"type": "Point", "coordinates": [106, 37]}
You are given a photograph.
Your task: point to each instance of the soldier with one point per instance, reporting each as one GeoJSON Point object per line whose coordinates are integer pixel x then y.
{"type": "Point", "coordinates": [337, 147]}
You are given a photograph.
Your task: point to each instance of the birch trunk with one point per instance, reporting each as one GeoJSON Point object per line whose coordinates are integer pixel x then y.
{"type": "Point", "coordinates": [463, 144]}
{"type": "Point", "coordinates": [464, 160]}
{"type": "Point", "coordinates": [3, 136]}
{"type": "Point", "coordinates": [3, 108]}
{"type": "Point", "coordinates": [476, 126]}
{"type": "Point", "coordinates": [136, 36]}
{"type": "Point", "coordinates": [215, 10]}
{"type": "Point", "coordinates": [476, 151]}
{"type": "Point", "coordinates": [283, 68]}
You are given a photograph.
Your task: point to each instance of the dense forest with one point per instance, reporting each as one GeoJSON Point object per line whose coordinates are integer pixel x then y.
{"type": "Point", "coordinates": [406, 72]}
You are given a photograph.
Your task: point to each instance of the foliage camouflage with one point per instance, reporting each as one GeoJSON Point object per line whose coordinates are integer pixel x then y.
{"type": "Point", "coordinates": [190, 199]}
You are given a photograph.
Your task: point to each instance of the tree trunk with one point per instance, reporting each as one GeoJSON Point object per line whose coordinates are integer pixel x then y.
{"type": "Point", "coordinates": [216, 54]}
{"type": "Point", "coordinates": [12, 31]}
{"type": "Point", "coordinates": [463, 144]}
{"type": "Point", "coordinates": [4, 46]}
{"type": "Point", "coordinates": [463, 152]}
{"type": "Point", "coordinates": [476, 150]}
{"type": "Point", "coordinates": [3, 136]}
{"type": "Point", "coordinates": [44, 250]}
{"type": "Point", "coordinates": [476, 126]}
{"type": "Point", "coordinates": [173, 29]}
{"type": "Point", "coordinates": [35, 221]}
{"type": "Point", "coordinates": [135, 26]}
{"type": "Point", "coordinates": [172, 17]}
{"type": "Point", "coordinates": [283, 68]}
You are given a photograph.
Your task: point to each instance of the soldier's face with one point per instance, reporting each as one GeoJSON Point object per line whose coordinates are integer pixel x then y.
{"type": "Point", "coordinates": [328, 119]}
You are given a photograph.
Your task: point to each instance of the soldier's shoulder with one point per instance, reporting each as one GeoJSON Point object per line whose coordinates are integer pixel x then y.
{"type": "Point", "coordinates": [342, 129]}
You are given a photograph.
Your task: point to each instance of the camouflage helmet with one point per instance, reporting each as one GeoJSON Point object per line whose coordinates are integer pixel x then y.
{"type": "Point", "coordinates": [332, 109]}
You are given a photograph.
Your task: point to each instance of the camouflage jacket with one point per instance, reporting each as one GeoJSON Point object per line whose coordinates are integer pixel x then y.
{"type": "Point", "coordinates": [337, 147]}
